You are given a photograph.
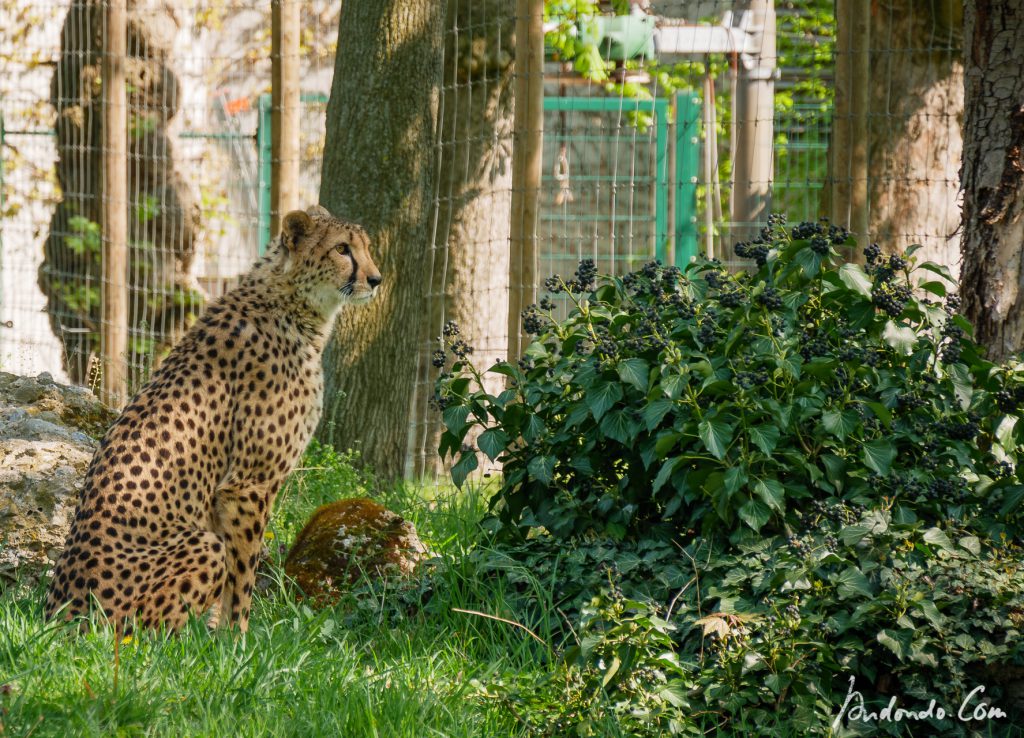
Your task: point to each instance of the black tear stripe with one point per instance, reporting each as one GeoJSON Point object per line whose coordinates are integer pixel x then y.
{"type": "Point", "coordinates": [352, 277]}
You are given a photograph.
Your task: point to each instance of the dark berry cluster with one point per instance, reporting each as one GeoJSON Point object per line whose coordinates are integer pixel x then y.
{"type": "Point", "coordinates": [653, 279]}
{"type": "Point", "coordinates": [438, 358]}
{"type": "Point", "coordinates": [749, 380]}
{"type": "Point", "coordinates": [911, 400]}
{"type": "Point", "coordinates": [1009, 400]}
{"type": "Point", "coordinates": [756, 250]}
{"type": "Point", "coordinates": [770, 299]}
{"type": "Point", "coordinates": [707, 328]}
{"type": "Point", "coordinates": [891, 297]}
{"type": "Point", "coordinates": [716, 278]}
{"type": "Point", "coordinates": [872, 252]}
{"type": "Point", "coordinates": [820, 245]}
{"type": "Point", "coordinates": [534, 320]}
{"type": "Point", "coordinates": [952, 333]}
{"type": "Point", "coordinates": [586, 274]}
{"type": "Point", "coordinates": [683, 306]}
{"type": "Point", "coordinates": [811, 345]}
{"type": "Point", "coordinates": [461, 349]}
{"type": "Point", "coordinates": [732, 297]}
{"type": "Point", "coordinates": [959, 430]}
{"type": "Point", "coordinates": [553, 284]}
{"type": "Point", "coordinates": [451, 329]}
{"type": "Point", "coordinates": [1003, 470]}
{"type": "Point", "coordinates": [948, 489]}
{"type": "Point", "coordinates": [809, 231]}
{"type": "Point", "coordinates": [837, 512]}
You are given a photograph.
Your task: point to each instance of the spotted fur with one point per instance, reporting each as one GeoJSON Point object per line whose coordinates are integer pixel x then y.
{"type": "Point", "coordinates": [177, 496]}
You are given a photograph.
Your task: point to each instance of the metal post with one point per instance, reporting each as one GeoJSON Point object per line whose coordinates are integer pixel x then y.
{"type": "Point", "coordinates": [284, 55]}
{"type": "Point", "coordinates": [114, 288]}
{"type": "Point", "coordinates": [755, 113]}
{"type": "Point", "coordinates": [528, 138]}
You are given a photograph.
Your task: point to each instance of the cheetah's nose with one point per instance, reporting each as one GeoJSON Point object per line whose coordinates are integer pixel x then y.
{"type": "Point", "coordinates": [374, 281]}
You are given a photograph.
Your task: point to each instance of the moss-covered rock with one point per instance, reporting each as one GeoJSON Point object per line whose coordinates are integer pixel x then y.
{"type": "Point", "coordinates": [48, 434]}
{"type": "Point", "coordinates": [349, 539]}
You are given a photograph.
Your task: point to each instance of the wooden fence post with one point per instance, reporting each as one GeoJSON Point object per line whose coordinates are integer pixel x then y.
{"type": "Point", "coordinates": [755, 120]}
{"type": "Point", "coordinates": [114, 214]}
{"type": "Point", "coordinates": [528, 140]}
{"type": "Point", "coordinates": [284, 110]}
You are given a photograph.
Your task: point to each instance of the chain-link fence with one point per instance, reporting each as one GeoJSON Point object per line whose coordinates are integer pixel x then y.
{"type": "Point", "coordinates": [670, 128]}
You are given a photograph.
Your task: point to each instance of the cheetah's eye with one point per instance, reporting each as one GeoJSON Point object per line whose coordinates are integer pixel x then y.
{"type": "Point", "coordinates": [344, 249]}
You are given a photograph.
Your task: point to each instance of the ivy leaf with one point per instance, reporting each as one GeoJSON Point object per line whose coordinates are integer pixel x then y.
{"type": "Point", "coordinates": [900, 338]}
{"type": "Point", "coordinates": [618, 425]}
{"type": "Point", "coordinates": [542, 468]}
{"type": "Point", "coordinates": [853, 276]}
{"type": "Point", "coordinates": [600, 399]}
{"type": "Point", "coordinates": [852, 582]}
{"type": "Point", "coordinates": [454, 418]}
{"type": "Point", "coordinates": [461, 470]}
{"type": "Point", "coordinates": [971, 543]}
{"type": "Point", "coordinates": [937, 537]}
{"type": "Point", "coordinates": [665, 473]}
{"type": "Point", "coordinates": [809, 260]}
{"type": "Point", "coordinates": [716, 435]}
{"type": "Point", "coordinates": [897, 641]}
{"type": "Point", "coordinates": [534, 428]}
{"type": "Point", "coordinates": [765, 437]}
{"type": "Point", "coordinates": [839, 424]}
{"type": "Point", "coordinates": [635, 372]}
{"type": "Point", "coordinates": [492, 442]}
{"type": "Point", "coordinates": [755, 514]}
{"type": "Point", "coordinates": [963, 384]}
{"type": "Point", "coordinates": [773, 493]}
{"type": "Point", "coordinates": [673, 384]}
{"type": "Point", "coordinates": [878, 456]}
{"type": "Point", "coordinates": [655, 412]}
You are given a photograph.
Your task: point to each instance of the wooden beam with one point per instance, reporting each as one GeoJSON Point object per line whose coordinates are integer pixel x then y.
{"type": "Point", "coordinates": [284, 110]}
{"type": "Point", "coordinates": [528, 141]}
{"type": "Point", "coordinates": [114, 213]}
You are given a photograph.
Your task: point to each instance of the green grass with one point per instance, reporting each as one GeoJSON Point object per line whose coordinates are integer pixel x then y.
{"type": "Point", "coordinates": [361, 669]}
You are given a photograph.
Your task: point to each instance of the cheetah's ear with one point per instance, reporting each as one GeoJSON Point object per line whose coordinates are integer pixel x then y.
{"type": "Point", "coordinates": [319, 210]}
{"type": "Point", "coordinates": [295, 226]}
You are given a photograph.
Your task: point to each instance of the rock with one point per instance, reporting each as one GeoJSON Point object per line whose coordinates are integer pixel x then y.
{"type": "Point", "coordinates": [349, 538]}
{"type": "Point", "coordinates": [48, 434]}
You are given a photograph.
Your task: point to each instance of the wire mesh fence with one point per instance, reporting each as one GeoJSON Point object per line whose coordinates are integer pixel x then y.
{"type": "Point", "coordinates": [670, 129]}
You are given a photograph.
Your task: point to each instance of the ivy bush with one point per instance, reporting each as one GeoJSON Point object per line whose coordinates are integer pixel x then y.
{"type": "Point", "coordinates": [667, 402]}
{"type": "Point", "coordinates": [808, 469]}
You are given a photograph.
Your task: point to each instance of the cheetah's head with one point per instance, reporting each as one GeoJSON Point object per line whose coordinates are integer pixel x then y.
{"type": "Point", "coordinates": [328, 258]}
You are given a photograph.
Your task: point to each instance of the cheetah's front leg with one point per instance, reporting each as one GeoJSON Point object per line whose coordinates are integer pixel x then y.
{"type": "Point", "coordinates": [241, 510]}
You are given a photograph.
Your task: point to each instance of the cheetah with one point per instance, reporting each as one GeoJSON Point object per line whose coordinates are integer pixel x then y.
{"type": "Point", "coordinates": [177, 496]}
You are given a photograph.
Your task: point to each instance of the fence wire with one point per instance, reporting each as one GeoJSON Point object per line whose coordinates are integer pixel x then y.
{"type": "Point", "coordinates": [645, 163]}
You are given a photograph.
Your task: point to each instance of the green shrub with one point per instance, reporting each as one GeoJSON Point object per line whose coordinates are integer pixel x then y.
{"type": "Point", "coordinates": [809, 470]}
{"type": "Point", "coordinates": [669, 401]}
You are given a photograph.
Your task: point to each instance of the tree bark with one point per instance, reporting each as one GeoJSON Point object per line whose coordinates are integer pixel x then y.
{"type": "Point", "coordinates": [993, 174]}
{"type": "Point", "coordinates": [470, 277]}
{"type": "Point", "coordinates": [379, 170]}
{"type": "Point", "coordinates": [914, 138]}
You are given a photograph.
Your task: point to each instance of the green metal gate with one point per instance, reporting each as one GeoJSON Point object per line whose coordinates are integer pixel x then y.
{"type": "Point", "coordinates": [620, 182]}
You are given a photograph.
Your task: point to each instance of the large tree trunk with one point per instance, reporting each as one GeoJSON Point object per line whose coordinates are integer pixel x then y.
{"type": "Point", "coordinates": [993, 174]}
{"type": "Point", "coordinates": [914, 140]}
{"type": "Point", "coordinates": [379, 170]}
{"type": "Point", "coordinates": [470, 277]}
